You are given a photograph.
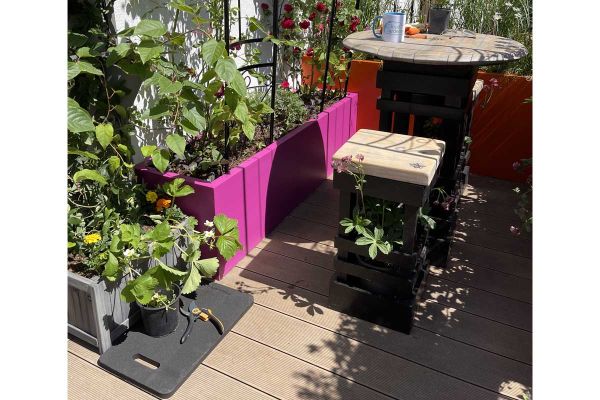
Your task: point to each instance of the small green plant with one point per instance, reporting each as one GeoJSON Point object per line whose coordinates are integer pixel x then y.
{"type": "Point", "coordinates": [289, 110]}
{"type": "Point", "coordinates": [377, 223]}
{"type": "Point", "coordinates": [524, 210]}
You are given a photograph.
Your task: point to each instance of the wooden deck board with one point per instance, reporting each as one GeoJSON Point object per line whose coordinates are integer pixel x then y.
{"type": "Point", "coordinates": [470, 339]}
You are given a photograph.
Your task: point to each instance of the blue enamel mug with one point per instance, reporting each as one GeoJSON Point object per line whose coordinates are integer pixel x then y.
{"type": "Point", "coordinates": [393, 27]}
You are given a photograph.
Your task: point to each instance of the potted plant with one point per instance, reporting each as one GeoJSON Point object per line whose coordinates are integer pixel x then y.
{"type": "Point", "coordinates": [105, 201]}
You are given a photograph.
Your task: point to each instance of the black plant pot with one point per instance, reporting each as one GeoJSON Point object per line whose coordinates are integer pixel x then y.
{"type": "Point", "coordinates": [161, 321]}
{"type": "Point", "coordinates": [438, 20]}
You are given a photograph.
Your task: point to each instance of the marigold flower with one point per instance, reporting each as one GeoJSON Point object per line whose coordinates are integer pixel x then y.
{"type": "Point", "coordinates": [151, 197]}
{"type": "Point", "coordinates": [162, 203]}
{"type": "Point", "coordinates": [288, 8]}
{"type": "Point", "coordinates": [304, 24]}
{"type": "Point", "coordinates": [92, 238]}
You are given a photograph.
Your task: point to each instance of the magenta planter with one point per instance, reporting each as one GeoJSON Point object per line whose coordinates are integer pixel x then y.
{"type": "Point", "coordinates": [264, 189]}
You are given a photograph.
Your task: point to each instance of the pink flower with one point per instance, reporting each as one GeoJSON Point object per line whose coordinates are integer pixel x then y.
{"type": "Point", "coordinates": [288, 8]}
{"type": "Point", "coordinates": [516, 165]}
{"type": "Point", "coordinates": [310, 52]}
{"type": "Point", "coordinates": [320, 27]}
{"type": "Point", "coordinates": [235, 46]}
{"type": "Point", "coordinates": [304, 24]}
{"type": "Point", "coordinates": [320, 7]}
{"type": "Point", "coordinates": [285, 85]}
{"type": "Point", "coordinates": [264, 6]}
{"type": "Point", "coordinates": [515, 231]}
{"type": "Point", "coordinates": [296, 50]}
{"type": "Point", "coordinates": [347, 158]}
{"type": "Point", "coordinates": [360, 157]}
{"type": "Point", "coordinates": [494, 82]}
{"type": "Point", "coordinates": [312, 16]}
{"type": "Point", "coordinates": [287, 23]}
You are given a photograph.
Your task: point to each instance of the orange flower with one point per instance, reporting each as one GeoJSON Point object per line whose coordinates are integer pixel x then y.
{"type": "Point", "coordinates": [162, 203]}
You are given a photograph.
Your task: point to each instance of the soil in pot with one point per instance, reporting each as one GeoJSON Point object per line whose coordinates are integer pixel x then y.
{"type": "Point", "coordinates": [160, 321]}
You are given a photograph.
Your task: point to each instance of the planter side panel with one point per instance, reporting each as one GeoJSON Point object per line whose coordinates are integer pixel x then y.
{"type": "Point", "coordinates": [297, 169]}
{"type": "Point", "coordinates": [353, 114]}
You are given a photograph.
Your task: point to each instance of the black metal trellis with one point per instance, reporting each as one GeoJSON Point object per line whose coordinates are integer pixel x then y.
{"type": "Point", "coordinates": [272, 64]}
{"type": "Point", "coordinates": [329, 37]}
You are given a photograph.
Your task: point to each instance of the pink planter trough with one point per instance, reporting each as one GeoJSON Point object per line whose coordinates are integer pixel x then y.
{"type": "Point", "coordinates": [264, 189]}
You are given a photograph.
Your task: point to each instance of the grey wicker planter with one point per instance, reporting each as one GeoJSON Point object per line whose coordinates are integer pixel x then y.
{"type": "Point", "coordinates": [96, 313]}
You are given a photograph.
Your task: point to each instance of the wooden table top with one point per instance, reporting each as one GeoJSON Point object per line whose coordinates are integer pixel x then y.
{"type": "Point", "coordinates": [394, 156]}
{"type": "Point", "coordinates": [440, 49]}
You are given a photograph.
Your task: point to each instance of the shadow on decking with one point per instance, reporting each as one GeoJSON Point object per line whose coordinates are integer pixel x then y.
{"type": "Point", "coordinates": [448, 343]}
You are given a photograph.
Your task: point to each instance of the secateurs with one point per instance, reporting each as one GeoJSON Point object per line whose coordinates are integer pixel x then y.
{"type": "Point", "coordinates": [194, 313]}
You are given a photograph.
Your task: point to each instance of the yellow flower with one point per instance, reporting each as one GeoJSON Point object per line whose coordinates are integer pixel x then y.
{"type": "Point", "coordinates": [92, 238]}
{"type": "Point", "coordinates": [151, 197]}
{"type": "Point", "coordinates": [162, 203]}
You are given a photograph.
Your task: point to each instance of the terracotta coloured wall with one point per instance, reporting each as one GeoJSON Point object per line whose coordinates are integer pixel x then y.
{"type": "Point", "coordinates": [502, 123]}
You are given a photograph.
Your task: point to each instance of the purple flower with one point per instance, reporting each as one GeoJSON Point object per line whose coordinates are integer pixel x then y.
{"type": "Point", "coordinates": [515, 231]}
{"type": "Point", "coordinates": [516, 165]}
{"type": "Point", "coordinates": [347, 159]}
{"type": "Point", "coordinates": [446, 206]}
{"type": "Point", "coordinates": [360, 157]}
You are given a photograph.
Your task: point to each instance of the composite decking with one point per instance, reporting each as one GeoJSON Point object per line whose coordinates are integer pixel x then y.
{"type": "Point", "coordinates": [471, 340]}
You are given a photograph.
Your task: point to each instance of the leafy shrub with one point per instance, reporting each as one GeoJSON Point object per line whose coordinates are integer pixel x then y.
{"type": "Point", "coordinates": [289, 110]}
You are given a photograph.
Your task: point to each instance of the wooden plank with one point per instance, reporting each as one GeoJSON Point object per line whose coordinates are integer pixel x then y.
{"type": "Point", "coordinates": [487, 279]}
{"type": "Point", "coordinates": [86, 381]}
{"type": "Point", "coordinates": [299, 249]}
{"type": "Point", "coordinates": [296, 272]}
{"type": "Point", "coordinates": [490, 240]}
{"type": "Point", "coordinates": [478, 302]}
{"type": "Point", "coordinates": [473, 221]}
{"type": "Point", "coordinates": [304, 229]}
{"type": "Point", "coordinates": [204, 383]}
{"type": "Point", "coordinates": [316, 214]}
{"type": "Point", "coordinates": [353, 360]}
{"type": "Point", "coordinates": [421, 346]}
{"type": "Point", "coordinates": [280, 374]}
{"type": "Point", "coordinates": [461, 253]}
{"type": "Point", "coordinates": [467, 328]}
{"type": "Point", "coordinates": [327, 199]}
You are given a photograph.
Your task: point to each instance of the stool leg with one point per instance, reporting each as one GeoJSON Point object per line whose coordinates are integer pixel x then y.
{"type": "Point", "coordinates": [409, 229]}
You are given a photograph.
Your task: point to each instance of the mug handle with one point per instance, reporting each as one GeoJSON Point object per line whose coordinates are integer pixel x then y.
{"type": "Point", "coordinates": [374, 24]}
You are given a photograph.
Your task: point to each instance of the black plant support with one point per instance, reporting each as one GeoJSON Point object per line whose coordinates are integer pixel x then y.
{"type": "Point", "coordinates": [272, 64]}
{"type": "Point", "coordinates": [329, 38]}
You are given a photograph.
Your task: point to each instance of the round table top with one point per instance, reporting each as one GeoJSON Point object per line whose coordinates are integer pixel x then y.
{"type": "Point", "coordinates": [440, 49]}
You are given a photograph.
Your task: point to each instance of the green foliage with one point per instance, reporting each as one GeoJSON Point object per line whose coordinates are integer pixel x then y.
{"type": "Point", "coordinates": [290, 110]}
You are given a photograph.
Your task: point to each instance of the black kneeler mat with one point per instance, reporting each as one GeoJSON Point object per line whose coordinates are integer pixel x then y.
{"type": "Point", "coordinates": [175, 361]}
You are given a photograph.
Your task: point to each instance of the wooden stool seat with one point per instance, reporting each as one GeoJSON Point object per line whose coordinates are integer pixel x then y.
{"type": "Point", "coordinates": [393, 156]}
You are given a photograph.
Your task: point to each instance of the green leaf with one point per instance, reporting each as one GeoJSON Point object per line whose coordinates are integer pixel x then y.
{"type": "Point", "coordinates": [159, 110]}
{"type": "Point", "coordinates": [84, 52]}
{"type": "Point", "coordinates": [176, 143]}
{"type": "Point", "coordinates": [85, 66]}
{"type": "Point", "coordinates": [208, 75]}
{"type": "Point", "coordinates": [76, 39]}
{"type": "Point", "coordinates": [169, 87]}
{"type": "Point", "coordinates": [182, 7]}
{"type": "Point", "coordinates": [72, 70]}
{"type": "Point", "coordinates": [170, 270]}
{"type": "Point", "coordinates": [228, 240]}
{"type": "Point", "coordinates": [130, 233]}
{"type": "Point", "coordinates": [384, 247]}
{"type": "Point", "coordinates": [104, 134]}
{"type": "Point", "coordinates": [148, 150]}
{"type": "Point", "coordinates": [378, 233]}
{"type": "Point", "coordinates": [239, 84]}
{"type": "Point", "coordinates": [150, 27]}
{"type": "Point", "coordinates": [160, 159]}
{"type": "Point", "coordinates": [140, 289]}
{"type": "Point", "coordinates": [79, 120]}
{"type": "Point", "coordinates": [113, 163]}
{"type": "Point", "coordinates": [174, 188]}
{"type": "Point", "coordinates": [161, 232]}
{"type": "Point", "coordinates": [363, 241]}
{"type": "Point", "coordinates": [192, 281]}
{"type": "Point", "coordinates": [212, 51]}
{"type": "Point", "coordinates": [117, 53]}
{"type": "Point", "coordinates": [207, 267]}
{"type": "Point", "coordinates": [226, 69]}
{"type": "Point", "coordinates": [195, 118]}
{"type": "Point", "coordinates": [241, 113]}
{"type": "Point", "coordinates": [149, 50]}
{"type": "Point", "coordinates": [71, 244]}
{"type": "Point", "coordinates": [83, 153]}
{"type": "Point", "coordinates": [373, 251]}
{"type": "Point", "coordinates": [89, 174]}
{"type": "Point", "coordinates": [111, 268]}
{"type": "Point", "coordinates": [249, 128]}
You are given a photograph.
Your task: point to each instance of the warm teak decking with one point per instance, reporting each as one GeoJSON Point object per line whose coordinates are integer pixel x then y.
{"type": "Point", "coordinates": [471, 340]}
